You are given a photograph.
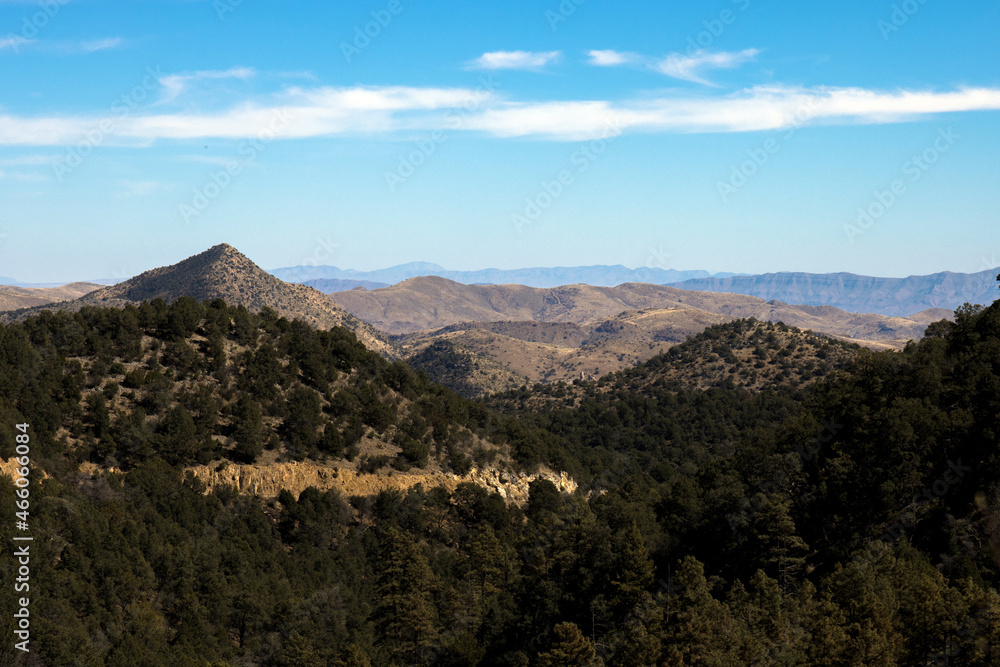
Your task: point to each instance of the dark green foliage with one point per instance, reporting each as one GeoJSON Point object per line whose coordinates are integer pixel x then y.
{"type": "Point", "coordinates": [852, 522]}
{"type": "Point", "coordinates": [372, 464]}
{"type": "Point", "coordinates": [569, 648]}
{"type": "Point", "coordinates": [248, 430]}
{"type": "Point", "coordinates": [302, 421]}
{"type": "Point", "coordinates": [282, 385]}
{"type": "Point", "coordinates": [543, 496]}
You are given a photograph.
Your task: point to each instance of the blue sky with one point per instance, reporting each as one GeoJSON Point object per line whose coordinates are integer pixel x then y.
{"type": "Point", "coordinates": [745, 136]}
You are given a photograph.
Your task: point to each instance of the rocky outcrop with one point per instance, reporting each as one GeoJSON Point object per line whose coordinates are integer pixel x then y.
{"type": "Point", "coordinates": [513, 486]}
{"type": "Point", "coordinates": [267, 481]}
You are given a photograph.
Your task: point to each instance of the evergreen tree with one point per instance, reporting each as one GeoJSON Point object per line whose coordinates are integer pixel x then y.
{"type": "Point", "coordinates": [298, 652]}
{"type": "Point", "coordinates": [781, 549]}
{"type": "Point", "coordinates": [632, 569]}
{"type": "Point", "coordinates": [824, 624]}
{"type": "Point", "coordinates": [405, 612]}
{"type": "Point", "coordinates": [353, 657]}
{"type": "Point", "coordinates": [569, 648]}
{"type": "Point", "coordinates": [700, 629]}
{"type": "Point", "coordinates": [248, 429]}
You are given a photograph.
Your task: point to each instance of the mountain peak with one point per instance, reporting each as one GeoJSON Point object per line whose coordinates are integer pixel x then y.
{"type": "Point", "coordinates": [222, 250]}
{"type": "Point", "coordinates": [222, 253]}
{"type": "Point", "coordinates": [223, 272]}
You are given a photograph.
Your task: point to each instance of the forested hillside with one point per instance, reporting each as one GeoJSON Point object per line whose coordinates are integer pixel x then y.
{"type": "Point", "coordinates": [194, 383]}
{"type": "Point", "coordinates": [844, 520]}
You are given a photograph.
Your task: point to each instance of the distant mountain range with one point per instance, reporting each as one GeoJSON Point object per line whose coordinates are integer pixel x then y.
{"type": "Point", "coordinates": [899, 297]}
{"type": "Point", "coordinates": [501, 335]}
{"type": "Point", "coordinates": [422, 304]}
{"type": "Point", "coordinates": [600, 276]}
{"type": "Point", "coordinates": [562, 333]}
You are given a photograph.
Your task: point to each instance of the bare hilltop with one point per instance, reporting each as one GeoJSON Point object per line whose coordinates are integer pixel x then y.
{"type": "Point", "coordinates": [222, 272]}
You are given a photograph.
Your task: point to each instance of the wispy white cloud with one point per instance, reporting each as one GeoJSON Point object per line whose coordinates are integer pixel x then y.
{"type": "Point", "coordinates": [332, 111]}
{"type": "Point", "coordinates": [610, 58]}
{"type": "Point", "coordinates": [515, 59]}
{"type": "Point", "coordinates": [751, 110]}
{"type": "Point", "coordinates": [14, 42]}
{"type": "Point", "coordinates": [175, 84]}
{"type": "Point", "coordinates": [691, 67]}
{"type": "Point", "coordinates": [687, 67]}
{"type": "Point", "coordinates": [100, 44]}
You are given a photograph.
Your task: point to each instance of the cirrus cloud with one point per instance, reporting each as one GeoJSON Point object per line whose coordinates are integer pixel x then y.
{"type": "Point", "coordinates": [391, 111]}
{"type": "Point", "coordinates": [515, 59]}
{"type": "Point", "coordinates": [690, 67]}
{"type": "Point", "coordinates": [611, 58]}
{"type": "Point", "coordinates": [686, 67]}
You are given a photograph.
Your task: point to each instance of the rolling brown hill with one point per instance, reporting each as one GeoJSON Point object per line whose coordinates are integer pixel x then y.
{"type": "Point", "coordinates": [432, 303]}
{"type": "Point", "coordinates": [222, 272]}
{"type": "Point", "coordinates": [14, 298]}
{"type": "Point", "coordinates": [553, 351]}
{"type": "Point", "coordinates": [581, 331]}
{"type": "Point", "coordinates": [463, 370]}
{"type": "Point", "coordinates": [745, 354]}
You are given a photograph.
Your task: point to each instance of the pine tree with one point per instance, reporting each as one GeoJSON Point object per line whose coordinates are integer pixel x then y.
{"type": "Point", "coordinates": [633, 568]}
{"type": "Point", "coordinates": [781, 549]}
{"type": "Point", "coordinates": [353, 657]}
{"type": "Point", "coordinates": [487, 562]}
{"type": "Point", "coordinates": [298, 652]}
{"type": "Point", "coordinates": [864, 591]}
{"type": "Point", "coordinates": [928, 607]}
{"type": "Point", "coordinates": [248, 429]}
{"type": "Point", "coordinates": [569, 648]}
{"type": "Point", "coordinates": [824, 623]}
{"type": "Point", "coordinates": [700, 628]}
{"type": "Point", "coordinates": [638, 643]}
{"type": "Point", "coordinates": [405, 610]}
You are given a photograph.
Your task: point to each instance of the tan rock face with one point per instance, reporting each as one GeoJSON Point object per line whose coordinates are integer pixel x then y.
{"type": "Point", "coordinates": [267, 481]}
{"type": "Point", "coordinates": [513, 486]}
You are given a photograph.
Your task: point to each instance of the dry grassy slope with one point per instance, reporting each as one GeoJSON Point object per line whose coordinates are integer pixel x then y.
{"type": "Point", "coordinates": [565, 351]}
{"type": "Point", "coordinates": [462, 370]}
{"type": "Point", "coordinates": [222, 272]}
{"type": "Point", "coordinates": [432, 303]}
{"type": "Point", "coordinates": [749, 357]}
{"type": "Point", "coordinates": [933, 315]}
{"type": "Point", "coordinates": [13, 298]}
{"type": "Point", "coordinates": [734, 355]}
